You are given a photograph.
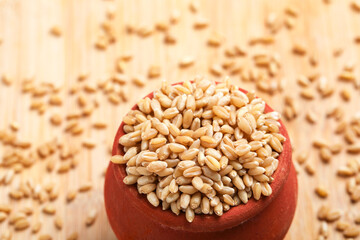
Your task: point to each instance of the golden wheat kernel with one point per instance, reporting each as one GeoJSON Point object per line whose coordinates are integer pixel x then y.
{"type": "Point", "coordinates": [240, 50]}
{"type": "Point", "coordinates": [320, 143]}
{"type": "Point", "coordinates": [325, 154]}
{"type": "Point", "coordinates": [56, 119]}
{"type": "Point", "coordinates": [351, 232]}
{"type": "Point", "coordinates": [130, 28]}
{"type": "Point", "coordinates": [357, 39]}
{"type": "Point", "coordinates": [71, 125]}
{"type": "Point", "coordinates": [355, 5]}
{"type": "Point", "coordinates": [292, 11]}
{"type": "Point", "coordinates": [85, 187]}
{"type": "Point", "coordinates": [64, 167]}
{"type": "Point", "coordinates": [16, 194]}
{"type": "Point", "coordinates": [89, 143]}
{"type": "Point", "coordinates": [169, 38]}
{"type": "Point", "coordinates": [162, 26]}
{"type": "Point", "coordinates": [200, 22]}
{"type": "Point", "coordinates": [28, 87]}
{"type": "Point", "coordinates": [42, 109]}
{"type": "Point", "coordinates": [216, 70]}
{"type": "Point", "coordinates": [303, 81]}
{"type": "Point", "coordinates": [120, 66]}
{"type": "Point", "coordinates": [349, 66]}
{"type": "Point", "coordinates": [111, 36]}
{"type": "Point", "coordinates": [45, 237]}
{"type": "Point", "coordinates": [101, 43]}
{"type": "Point", "coordinates": [310, 169]}
{"type": "Point", "coordinates": [346, 76]}
{"type": "Point", "coordinates": [88, 110]}
{"type": "Point", "coordinates": [71, 195]}
{"type": "Point", "coordinates": [236, 69]}
{"type": "Point", "coordinates": [6, 208]}
{"type": "Point", "coordinates": [111, 12]}
{"type": "Point", "coordinates": [6, 80]}
{"type": "Point", "coordinates": [82, 76]}
{"type": "Point", "coordinates": [90, 87]}
{"type": "Point", "coordinates": [337, 52]}
{"type": "Point", "coordinates": [3, 216]}
{"type": "Point", "coordinates": [35, 227]}
{"type": "Point", "coordinates": [91, 217]}
{"type": "Point", "coordinates": [324, 229]}
{"type": "Point", "coordinates": [276, 26]}
{"type": "Point", "coordinates": [154, 71]}
{"type": "Point", "coordinates": [186, 61]}
{"type": "Point", "coordinates": [194, 6]}
{"type": "Point", "coordinates": [266, 40]}
{"type": "Point", "coordinates": [299, 49]}
{"type": "Point", "coordinates": [124, 94]}
{"type": "Point", "coordinates": [114, 98]}
{"type": "Point", "coordinates": [16, 216]}
{"type": "Point", "coordinates": [38, 105]}
{"type": "Point", "coordinates": [302, 157]}
{"type": "Point", "coordinates": [17, 167]}
{"type": "Point", "coordinates": [174, 16]}
{"type": "Point", "coordinates": [341, 225]}
{"type": "Point", "coordinates": [313, 60]}
{"type": "Point", "coordinates": [21, 224]}
{"type": "Point", "coordinates": [321, 191]}
{"type": "Point", "coordinates": [58, 222]}
{"type": "Point", "coordinates": [145, 31]}
{"type": "Point", "coordinates": [49, 209]}
{"type": "Point", "coordinates": [262, 61]}
{"type": "Point", "coordinates": [345, 171]}
{"type": "Point", "coordinates": [74, 162]}
{"type": "Point", "coordinates": [14, 126]}
{"type": "Point", "coordinates": [228, 64]}
{"type": "Point", "coordinates": [23, 144]}
{"type": "Point", "coordinates": [289, 22]}
{"type": "Point", "coordinates": [126, 57]}
{"type": "Point", "coordinates": [311, 117]}
{"type": "Point", "coordinates": [350, 135]}
{"type": "Point", "coordinates": [139, 81]}
{"type": "Point", "coordinates": [357, 218]}
{"type": "Point", "coordinates": [336, 148]}
{"type": "Point", "coordinates": [120, 79]}
{"type": "Point", "coordinates": [307, 93]}
{"type": "Point", "coordinates": [40, 91]}
{"type": "Point", "coordinates": [345, 94]}
{"type": "Point", "coordinates": [56, 31]}
{"type": "Point", "coordinates": [55, 100]}
{"type": "Point", "coordinates": [214, 40]}
{"type": "Point", "coordinates": [82, 100]}
{"type": "Point", "coordinates": [73, 236]}
{"type": "Point", "coordinates": [106, 26]}
{"type": "Point", "coordinates": [100, 125]}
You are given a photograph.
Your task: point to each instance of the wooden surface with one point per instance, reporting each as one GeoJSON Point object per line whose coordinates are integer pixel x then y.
{"type": "Point", "coordinates": [29, 50]}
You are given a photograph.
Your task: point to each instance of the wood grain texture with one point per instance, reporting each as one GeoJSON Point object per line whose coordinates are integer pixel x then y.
{"type": "Point", "coordinates": [28, 50]}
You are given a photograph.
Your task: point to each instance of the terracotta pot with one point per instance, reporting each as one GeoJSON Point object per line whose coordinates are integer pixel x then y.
{"type": "Point", "coordinates": [132, 217]}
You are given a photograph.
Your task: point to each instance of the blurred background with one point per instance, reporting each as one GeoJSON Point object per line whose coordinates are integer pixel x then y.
{"type": "Point", "coordinates": [70, 70]}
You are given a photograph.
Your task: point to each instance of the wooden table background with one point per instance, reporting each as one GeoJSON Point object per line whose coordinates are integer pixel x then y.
{"type": "Point", "coordinates": [28, 50]}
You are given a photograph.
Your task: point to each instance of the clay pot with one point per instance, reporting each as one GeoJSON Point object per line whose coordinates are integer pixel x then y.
{"type": "Point", "coordinates": [132, 217]}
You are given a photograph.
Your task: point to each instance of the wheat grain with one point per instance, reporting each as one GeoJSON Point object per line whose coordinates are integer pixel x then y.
{"type": "Point", "coordinates": [73, 236]}
{"type": "Point", "coordinates": [321, 191]}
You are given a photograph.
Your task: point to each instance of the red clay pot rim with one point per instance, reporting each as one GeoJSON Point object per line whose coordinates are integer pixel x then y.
{"type": "Point", "coordinates": [204, 223]}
